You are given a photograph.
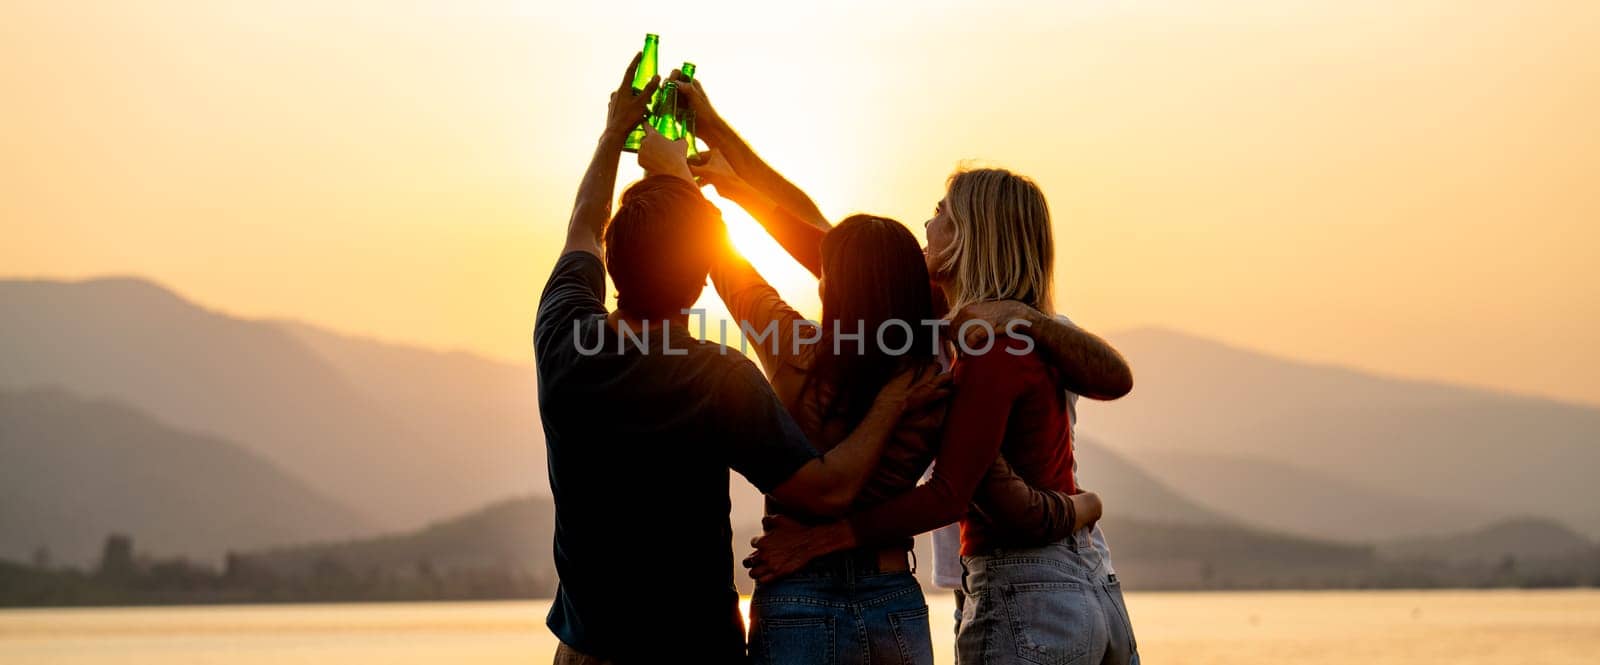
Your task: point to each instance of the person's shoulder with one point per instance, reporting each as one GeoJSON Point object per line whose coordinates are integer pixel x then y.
{"type": "Point", "coordinates": [577, 274]}
{"type": "Point", "coordinates": [579, 268]}
{"type": "Point", "coordinates": [580, 256]}
{"type": "Point", "coordinates": [570, 350]}
{"type": "Point", "coordinates": [578, 263]}
{"type": "Point", "coordinates": [576, 287]}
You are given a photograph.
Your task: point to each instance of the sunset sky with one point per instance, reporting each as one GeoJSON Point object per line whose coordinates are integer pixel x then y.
{"type": "Point", "coordinates": [1407, 187]}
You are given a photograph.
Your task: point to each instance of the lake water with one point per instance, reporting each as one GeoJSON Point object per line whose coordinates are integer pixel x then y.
{"type": "Point", "coordinates": [1366, 627]}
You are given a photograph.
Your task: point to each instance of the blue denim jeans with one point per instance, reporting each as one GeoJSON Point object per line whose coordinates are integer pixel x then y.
{"type": "Point", "coordinates": [841, 610]}
{"type": "Point", "coordinates": [1052, 605]}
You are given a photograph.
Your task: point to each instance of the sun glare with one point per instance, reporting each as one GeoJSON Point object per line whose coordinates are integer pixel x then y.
{"type": "Point", "coordinates": [793, 281]}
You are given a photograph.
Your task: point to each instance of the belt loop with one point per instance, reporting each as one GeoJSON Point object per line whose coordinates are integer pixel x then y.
{"type": "Point", "coordinates": [1072, 542]}
{"type": "Point", "coordinates": [913, 561]}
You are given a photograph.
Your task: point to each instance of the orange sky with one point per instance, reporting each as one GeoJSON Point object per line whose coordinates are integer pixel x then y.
{"type": "Point", "coordinates": [1402, 186]}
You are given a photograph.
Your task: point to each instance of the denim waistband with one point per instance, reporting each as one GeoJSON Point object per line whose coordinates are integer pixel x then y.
{"type": "Point", "coordinates": [1072, 557]}
{"type": "Point", "coordinates": [850, 564]}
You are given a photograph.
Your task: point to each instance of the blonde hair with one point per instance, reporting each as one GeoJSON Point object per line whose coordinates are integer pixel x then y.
{"type": "Point", "coordinates": [1003, 247]}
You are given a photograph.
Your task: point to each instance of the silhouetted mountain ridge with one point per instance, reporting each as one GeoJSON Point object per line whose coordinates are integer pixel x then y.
{"type": "Point", "coordinates": [1442, 444]}
{"type": "Point", "coordinates": [1213, 435]}
{"type": "Point", "coordinates": [511, 534]}
{"type": "Point", "coordinates": [1279, 496]}
{"type": "Point", "coordinates": [73, 471]}
{"type": "Point", "coordinates": [514, 535]}
{"type": "Point", "coordinates": [402, 447]}
{"type": "Point", "coordinates": [1524, 538]}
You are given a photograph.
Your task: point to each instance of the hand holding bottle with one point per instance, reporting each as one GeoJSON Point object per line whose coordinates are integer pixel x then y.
{"type": "Point", "coordinates": [627, 109]}
{"type": "Point", "coordinates": [707, 122]}
{"type": "Point", "coordinates": [660, 156]}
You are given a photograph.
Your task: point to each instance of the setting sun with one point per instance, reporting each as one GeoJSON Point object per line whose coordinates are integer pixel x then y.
{"type": "Point", "coordinates": [797, 285]}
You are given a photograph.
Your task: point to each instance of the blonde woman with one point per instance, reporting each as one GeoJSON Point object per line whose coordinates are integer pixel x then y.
{"type": "Point", "coordinates": [990, 240]}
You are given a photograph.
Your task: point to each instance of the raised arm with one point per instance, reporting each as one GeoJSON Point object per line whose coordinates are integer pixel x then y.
{"type": "Point", "coordinates": [593, 205]}
{"type": "Point", "coordinates": [765, 320]}
{"type": "Point", "coordinates": [1089, 365]}
{"type": "Point", "coordinates": [800, 238]}
{"type": "Point", "coordinates": [718, 134]}
{"type": "Point", "coordinates": [790, 209]}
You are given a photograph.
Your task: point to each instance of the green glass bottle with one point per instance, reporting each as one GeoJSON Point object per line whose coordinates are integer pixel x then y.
{"type": "Point", "coordinates": [686, 115]}
{"type": "Point", "coordinates": [641, 78]}
{"type": "Point", "coordinates": [664, 116]}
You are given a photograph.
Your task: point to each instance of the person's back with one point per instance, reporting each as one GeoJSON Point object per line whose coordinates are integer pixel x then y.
{"type": "Point", "coordinates": [826, 384]}
{"type": "Point", "coordinates": [642, 424]}
{"type": "Point", "coordinates": [639, 453]}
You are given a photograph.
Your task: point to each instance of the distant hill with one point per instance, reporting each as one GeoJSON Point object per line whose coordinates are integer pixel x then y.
{"type": "Point", "coordinates": [403, 435]}
{"type": "Point", "coordinates": [73, 471]}
{"type": "Point", "coordinates": [1211, 437]}
{"type": "Point", "coordinates": [1170, 556]}
{"type": "Point", "coordinates": [1131, 492]}
{"type": "Point", "coordinates": [485, 411]}
{"type": "Point", "coordinates": [1525, 539]}
{"type": "Point", "coordinates": [1287, 498]}
{"type": "Point", "coordinates": [513, 534]}
{"type": "Point", "coordinates": [1446, 444]}
{"type": "Point", "coordinates": [516, 535]}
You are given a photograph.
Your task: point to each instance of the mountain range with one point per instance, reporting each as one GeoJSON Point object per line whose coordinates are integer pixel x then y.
{"type": "Point", "coordinates": [348, 438]}
{"type": "Point", "coordinates": [1524, 538]}
{"type": "Point", "coordinates": [400, 434]}
{"type": "Point", "coordinates": [74, 470]}
{"type": "Point", "coordinates": [1395, 454]}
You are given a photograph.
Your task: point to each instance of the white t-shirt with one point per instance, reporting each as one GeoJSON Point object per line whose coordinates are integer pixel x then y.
{"type": "Point", "coordinates": [947, 539]}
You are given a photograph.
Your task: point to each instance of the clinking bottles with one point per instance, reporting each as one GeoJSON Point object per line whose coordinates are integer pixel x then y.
{"type": "Point", "coordinates": [673, 119]}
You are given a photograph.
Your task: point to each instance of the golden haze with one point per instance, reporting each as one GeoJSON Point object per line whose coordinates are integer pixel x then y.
{"type": "Point", "coordinates": [1408, 187]}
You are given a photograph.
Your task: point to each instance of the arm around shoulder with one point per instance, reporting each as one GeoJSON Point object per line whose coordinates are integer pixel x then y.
{"type": "Point", "coordinates": [1089, 365]}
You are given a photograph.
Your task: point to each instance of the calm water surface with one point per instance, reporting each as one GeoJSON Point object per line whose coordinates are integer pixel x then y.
{"type": "Point", "coordinates": [1372, 627]}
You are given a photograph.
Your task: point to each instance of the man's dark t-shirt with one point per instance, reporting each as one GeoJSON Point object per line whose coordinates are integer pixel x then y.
{"type": "Point", "coordinates": [640, 443]}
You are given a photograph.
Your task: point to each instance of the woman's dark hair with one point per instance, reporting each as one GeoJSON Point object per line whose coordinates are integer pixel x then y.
{"type": "Point", "coordinates": [873, 272]}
